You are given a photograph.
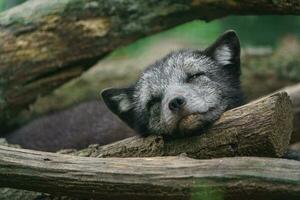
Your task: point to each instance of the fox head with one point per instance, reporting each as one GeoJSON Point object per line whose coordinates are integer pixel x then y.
{"type": "Point", "coordinates": [183, 92]}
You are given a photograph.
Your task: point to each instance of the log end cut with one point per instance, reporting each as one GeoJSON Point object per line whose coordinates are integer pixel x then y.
{"type": "Point", "coordinates": [283, 123]}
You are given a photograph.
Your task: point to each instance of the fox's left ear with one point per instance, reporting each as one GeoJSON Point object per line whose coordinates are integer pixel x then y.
{"type": "Point", "coordinates": [119, 101]}
{"type": "Point", "coordinates": [226, 49]}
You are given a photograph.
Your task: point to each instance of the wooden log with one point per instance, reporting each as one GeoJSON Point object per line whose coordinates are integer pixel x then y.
{"type": "Point", "coordinates": [260, 128]}
{"type": "Point", "coordinates": [43, 44]}
{"type": "Point", "coordinates": [294, 94]}
{"type": "Point", "coordinates": [16, 194]}
{"type": "Point", "coordinates": [272, 138]}
{"type": "Point", "coordinates": [149, 178]}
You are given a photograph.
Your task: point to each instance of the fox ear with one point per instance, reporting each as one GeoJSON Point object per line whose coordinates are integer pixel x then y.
{"type": "Point", "coordinates": [119, 101]}
{"type": "Point", "coordinates": [226, 49]}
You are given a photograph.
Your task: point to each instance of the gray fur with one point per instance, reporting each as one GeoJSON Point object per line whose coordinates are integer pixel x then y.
{"type": "Point", "coordinates": [207, 80]}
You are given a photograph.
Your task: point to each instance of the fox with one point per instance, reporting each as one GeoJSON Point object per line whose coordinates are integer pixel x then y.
{"type": "Point", "coordinates": [179, 95]}
{"type": "Point", "coordinates": [182, 93]}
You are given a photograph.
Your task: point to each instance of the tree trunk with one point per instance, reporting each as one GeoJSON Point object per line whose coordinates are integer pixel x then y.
{"type": "Point", "coordinates": [150, 178]}
{"type": "Point", "coordinates": [46, 43]}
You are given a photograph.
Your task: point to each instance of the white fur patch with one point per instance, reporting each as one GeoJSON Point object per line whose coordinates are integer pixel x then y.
{"type": "Point", "coordinates": [223, 55]}
{"type": "Point", "coordinates": [124, 103]}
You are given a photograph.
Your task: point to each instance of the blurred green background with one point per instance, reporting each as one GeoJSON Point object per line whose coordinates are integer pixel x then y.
{"type": "Point", "coordinates": [5, 4]}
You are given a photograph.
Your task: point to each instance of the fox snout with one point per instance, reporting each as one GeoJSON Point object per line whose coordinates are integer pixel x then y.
{"type": "Point", "coordinates": [177, 103]}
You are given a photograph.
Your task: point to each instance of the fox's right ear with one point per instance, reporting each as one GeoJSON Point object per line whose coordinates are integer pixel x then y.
{"type": "Point", "coordinates": [119, 101]}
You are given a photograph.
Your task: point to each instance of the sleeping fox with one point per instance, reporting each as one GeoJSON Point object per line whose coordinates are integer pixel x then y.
{"type": "Point", "coordinates": [178, 95]}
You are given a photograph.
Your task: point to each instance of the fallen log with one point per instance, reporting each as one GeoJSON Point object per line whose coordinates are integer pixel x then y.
{"type": "Point", "coordinates": [260, 128]}
{"type": "Point", "coordinates": [43, 44]}
{"type": "Point", "coordinates": [294, 93]}
{"type": "Point", "coordinates": [149, 178]}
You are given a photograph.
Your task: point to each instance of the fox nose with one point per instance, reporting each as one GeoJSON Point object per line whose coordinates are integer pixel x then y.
{"type": "Point", "coordinates": [177, 103]}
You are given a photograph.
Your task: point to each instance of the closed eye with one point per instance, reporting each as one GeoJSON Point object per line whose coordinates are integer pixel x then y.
{"type": "Point", "coordinates": [152, 102]}
{"type": "Point", "coordinates": [192, 77]}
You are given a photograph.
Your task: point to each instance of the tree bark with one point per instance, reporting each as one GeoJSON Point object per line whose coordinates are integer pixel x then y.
{"type": "Point", "coordinates": [260, 128]}
{"type": "Point", "coordinates": [149, 178]}
{"type": "Point", "coordinates": [294, 94]}
{"type": "Point", "coordinates": [46, 43]}
{"type": "Point", "coordinates": [16, 194]}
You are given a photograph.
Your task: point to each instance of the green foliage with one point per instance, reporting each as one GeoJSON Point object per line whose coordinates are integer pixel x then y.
{"type": "Point", "coordinates": [1, 5]}
{"type": "Point", "coordinates": [192, 32]}
{"type": "Point", "coordinates": [252, 30]}
{"type": "Point", "coordinates": [5, 4]}
{"type": "Point", "coordinates": [262, 30]}
{"type": "Point", "coordinates": [206, 191]}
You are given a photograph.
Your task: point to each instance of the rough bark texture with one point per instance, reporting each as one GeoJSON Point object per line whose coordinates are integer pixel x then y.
{"type": "Point", "coordinates": [16, 194]}
{"type": "Point", "coordinates": [294, 93]}
{"type": "Point", "coordinates": [260, 128]}
{"type": "Point", "coordinates": [45, 43]}
{"type": "Point", "coordinates": [150, 178]}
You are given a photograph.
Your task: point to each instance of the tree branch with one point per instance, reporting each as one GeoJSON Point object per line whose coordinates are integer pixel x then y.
{"type": "Point", "coordinates": [43, 44]}
{"type": "Point", "coordinates": [149, 178]}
